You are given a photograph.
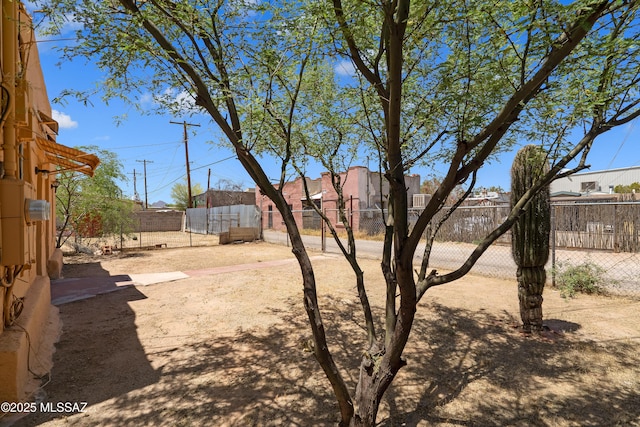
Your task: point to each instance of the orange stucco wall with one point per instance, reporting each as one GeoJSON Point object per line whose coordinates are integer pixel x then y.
{"type": "Point", "coordinates": [26, 243]}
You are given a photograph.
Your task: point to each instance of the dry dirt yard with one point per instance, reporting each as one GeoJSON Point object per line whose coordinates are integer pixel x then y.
{"type": "Point", "coordinates": [228, 349]}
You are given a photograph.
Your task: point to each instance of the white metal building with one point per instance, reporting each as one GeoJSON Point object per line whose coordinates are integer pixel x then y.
{"type": "Point", "coordinates": [597, 181]}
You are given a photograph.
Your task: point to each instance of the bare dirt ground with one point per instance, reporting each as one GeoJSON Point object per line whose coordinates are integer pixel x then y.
{"type": "Point", "coordinates": [229, 349]}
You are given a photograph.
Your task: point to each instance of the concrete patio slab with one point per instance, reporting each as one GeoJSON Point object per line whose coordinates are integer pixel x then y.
{"type": "Point", "coordinates": [152, 278]}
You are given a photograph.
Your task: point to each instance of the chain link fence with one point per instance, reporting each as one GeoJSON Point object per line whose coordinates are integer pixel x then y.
{"type": "Point", "coordinates": [603, 235]}
{"type": "Point", "coordinates": [156, 233]}
{"type": "Point", "coordinates": [144, 230]}
{"type": "Point", "coordinates": [167, 229]}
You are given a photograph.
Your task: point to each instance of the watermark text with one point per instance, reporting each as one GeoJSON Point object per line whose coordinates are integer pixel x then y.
{"type": "Point", "coordinates": [46, 407]}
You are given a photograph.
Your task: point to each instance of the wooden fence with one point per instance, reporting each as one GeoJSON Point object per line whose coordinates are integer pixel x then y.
{"type": "Point", "coordinates": [605, 226]}
{"type": "Point", "coordinates": [586, 226]}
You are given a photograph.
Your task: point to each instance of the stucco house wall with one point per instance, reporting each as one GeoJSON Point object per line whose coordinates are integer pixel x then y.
{"type": "Point", "coordinates": [29, 156]}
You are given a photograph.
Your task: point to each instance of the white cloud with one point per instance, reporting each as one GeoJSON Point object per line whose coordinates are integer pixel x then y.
{"type": "Point", "coordinates": [345, 68]}
{"type": "Point", "coordinates": [178, 102]}
{"type": "Point", "coordinates": [184, 99]}
{"type": "Point", "coordinates": [146, 98]}
{"type": "Point", "coordinates": [64, 120]}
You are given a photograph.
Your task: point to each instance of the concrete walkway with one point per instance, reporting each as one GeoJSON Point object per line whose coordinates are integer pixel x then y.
{"type": "Point", "coordinates": [74, 289]}
{"type": "Point", "coordinates": [77, 288]}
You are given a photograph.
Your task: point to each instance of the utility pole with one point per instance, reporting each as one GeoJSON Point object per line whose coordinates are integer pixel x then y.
{"type": "Point", "coordinates": [146, 201]}
{"type": "Point", "coordinates": [186, 150]}
{"type": "Point", "coordinates": [136, 196]}
{"type": "Point", "coordinates": [208, 186]}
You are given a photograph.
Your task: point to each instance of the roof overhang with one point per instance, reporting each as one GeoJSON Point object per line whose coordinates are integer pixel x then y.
{"type": "Point", "coordinates": [69, 159]}
{"type": "Point", "coordinates": [49, 121]}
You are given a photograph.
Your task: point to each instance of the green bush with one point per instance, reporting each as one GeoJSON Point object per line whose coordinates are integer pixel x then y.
{"type": "Point", "coordinates": [582, 278]}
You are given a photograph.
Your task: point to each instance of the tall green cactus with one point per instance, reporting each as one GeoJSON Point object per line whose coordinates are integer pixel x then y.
{"type": "Point", "coordinates": [530, 234]}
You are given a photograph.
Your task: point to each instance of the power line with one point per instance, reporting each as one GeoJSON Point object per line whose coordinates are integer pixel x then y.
{"type": "Point", "coordinates": [127, 147]}
{"type": "Point", "coordinates": [631, 125]}
{"type": "Point", "coordinates": [216, 162]}
{"type": "Point", "coordinates": [167, 170]}
{"type": "Point", "coordinates": [158, 189]}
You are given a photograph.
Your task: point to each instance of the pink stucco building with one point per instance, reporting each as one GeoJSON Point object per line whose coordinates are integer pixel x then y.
{"type": "Point", "coordinates": [362, 189]}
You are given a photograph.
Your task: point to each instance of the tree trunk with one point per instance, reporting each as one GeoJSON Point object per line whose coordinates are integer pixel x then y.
{"type": "Point", "coordinates": [379, 367]}
{"type": "Point", "coordinates": [366, 409]}
{"type": "Point", "coordinates": [531, 282]}
{"type": "Point", "coordinates": [375, 377]}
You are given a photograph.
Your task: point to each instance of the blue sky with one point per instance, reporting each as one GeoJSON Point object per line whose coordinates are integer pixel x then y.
{"type": "Point", "coordinates": [155, 139]}
{"type": "Point", "coordinates": [138, 137]}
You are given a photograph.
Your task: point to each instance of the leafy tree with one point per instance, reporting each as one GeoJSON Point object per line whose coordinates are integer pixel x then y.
{"type": "Point", "coordinates": [92, 205]}
{"type": "Point", "coordinates": [514, 71]}
{"type": "Point", "coordinates": [431, 185]}
{"type": "Point", "coordinates": [456, 83]}
{"type": "Point", "coordinates": [494, 189]}
{"type": "Point", "coordinates": [180, 194]}
{"type": "Point", "coordinates": [228, 185]}
{"type": "Point", "coordinates": [631, 188]}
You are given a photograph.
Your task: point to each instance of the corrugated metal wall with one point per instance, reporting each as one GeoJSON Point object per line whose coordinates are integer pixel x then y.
{"type": "Point", "coordinates": [604, 179]}
{"type": "Point", "coordinates": [218, 220]}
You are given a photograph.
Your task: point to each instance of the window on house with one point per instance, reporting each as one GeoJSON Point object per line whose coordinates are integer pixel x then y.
{"type": "Point", "coordinates": [588, 186]}
{"type": "Point", "coordinates": [21, 161]}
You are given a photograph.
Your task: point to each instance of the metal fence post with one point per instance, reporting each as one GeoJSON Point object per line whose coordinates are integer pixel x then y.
{"type": "Point", "coordinates": [553, 245]}
{"type": "Point", "coordinates": [351, 212]}
{"type": "Point", "coordinates": [615, 244]}
{"type": "Point", "coordinates": [323, 241]}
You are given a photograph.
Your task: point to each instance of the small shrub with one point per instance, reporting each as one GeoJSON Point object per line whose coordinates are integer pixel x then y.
{"type": "Point", "coordinates": [582, 278]}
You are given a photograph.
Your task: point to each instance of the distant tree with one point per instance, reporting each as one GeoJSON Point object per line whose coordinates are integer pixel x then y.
{"type": "Point", "coordinates": [494, 189]}
{"type": "Point", "coordinates": [631, 188]}
{"type": "Point", "coordinates": [92, 205]}
{"type": "Point", "coordinates": [180, 194]}
{"type": "Point", "coordinates": [228, 185]}
{"type": "Point", "coordinates": [430, 185]}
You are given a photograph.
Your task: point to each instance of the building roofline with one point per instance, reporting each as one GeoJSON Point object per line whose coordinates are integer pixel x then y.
{"type": "Point", "coordinates": [604, 171]}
